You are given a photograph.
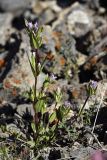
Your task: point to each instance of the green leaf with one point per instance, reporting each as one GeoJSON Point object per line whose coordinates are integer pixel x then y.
{"type": "Point", "coordinates": [33, 60]}
{"type": "Point", "coordinates": [40, 106]}
{"type": "Point", "coordinates": [33, 127]}
{"type": "Point", "coordinates": [43, 64]}
{"type": "Point", "coordinates": [53, 128]}
{"type": "Point", "coordinates": [52, 117]}
{"type": "Point", "coordinates": [46, 83]}
{"type": "Point", "coordinates": [41, 129]}
{"type": "Point", "coordinates": [62, 112]}
{"type": "Point", "coordinates": [33, 40]}
{"type": "Point", "coordinates": [31, 143]}
{"type": "Point", "coordinates": [36, 39]}
{"type": "Point", "coordinates": [32, 68]}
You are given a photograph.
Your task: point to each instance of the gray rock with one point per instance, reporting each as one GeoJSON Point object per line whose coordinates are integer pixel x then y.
{"type": "Point", "coordinates": [13, 128]}
{"type": "Point", "coordinates": [5, 25]}
{"type": "Point", "coordinates": [25, 108]}
{"type": "Point", "coordinates": [79, 22]}
{"type": "Point", "coordinates": [47, 16]}
{"type": "Point", "coordinates": [13, 5]}
{"type": "Point", "coordinates": [82, 153]}
{"type": "Point", "coordinates": [21, 76]}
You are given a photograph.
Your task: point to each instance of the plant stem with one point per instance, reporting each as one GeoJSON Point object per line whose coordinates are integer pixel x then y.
{"type": "Point", "coordinates": [54, 134]}
{"type": "Point", "coordinates": [81, 110]}
{"type": "Point", "coordinates": [36, 120]}
{"type": "Point", "coordinates": [35, 86]}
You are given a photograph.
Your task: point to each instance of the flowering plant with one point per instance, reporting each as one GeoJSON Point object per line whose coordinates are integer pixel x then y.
{"type": "Point", "coordinates": [44, 123]}
{"type": "Point", "coordinates": [91, 90]}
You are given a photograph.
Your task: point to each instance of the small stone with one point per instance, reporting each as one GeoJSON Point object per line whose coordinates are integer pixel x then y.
{"type": "Point", "coordinates": [47, 16]}
{"type": "Point", "coordinates": [79, 22]}
{"type": "Point", "coordinates": [39, 6]}
{"type": "Point", "coordinates": [81, 59]}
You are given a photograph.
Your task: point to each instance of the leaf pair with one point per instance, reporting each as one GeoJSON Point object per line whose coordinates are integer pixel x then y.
{"type": "Point", "coordinates": [62, 112]}
{"type": "Point", "coordinates": [35, 37]}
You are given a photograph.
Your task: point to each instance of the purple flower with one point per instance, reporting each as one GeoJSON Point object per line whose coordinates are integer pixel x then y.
{"type": "Point", "coordinates": [53, 77]}
{"type": "Point", "coordinates": [36, 26]}
{"type": "Point", "coordinates": [67, 104]}
{"type": "Point", "coordinates": [92, 88]}
{"type": "Point", "coordinates": [93, 84]}
{"type": "Point", "coordinates": [30, 25]}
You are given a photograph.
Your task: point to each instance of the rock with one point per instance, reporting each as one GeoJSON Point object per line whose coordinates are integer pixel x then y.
{"type": "Point", "coordinates": [13, 128]}
{"type": "Point", "coordinates": [79, 22]}
{"type": "Point", "coordinates": [20, 76]}
{"type": "Point", "coordinates": [94, 68]}
{"type": "Point", "coordinates": [48, 39]}
{"type": "Point", "coordinates": [82, 153]}
{"type": "Point", "coordinates": [47, 16]}
{"type": "Point", "coordinates": [5, 25]}
{"type": "Point", "coordinates": [92, 4]}
{"type": "Point", "coordinates": [14, 5]}
{"type": "Point", "coordinates": [43, 5]}
{"type": "Point", "coordinates": [12, 46]}
{"type": "Point", "coordinates": [25, 109]}
{"type": "Point", "coordinates": [81, 59]}
{"type": "Point", "coordinates": [76, 19]}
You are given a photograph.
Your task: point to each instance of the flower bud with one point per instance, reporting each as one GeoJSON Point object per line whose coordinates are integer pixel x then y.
{"type": "Point", "coordinates": [92, 87]}
{"type": "Point", "coordinates": [67, 104]}
{"type": "Point", "coordinates": [36, 26]}
{"type": "Point", "coordinates": [53, 77]}
{"type": "Point", "coordinates": [30, 25]}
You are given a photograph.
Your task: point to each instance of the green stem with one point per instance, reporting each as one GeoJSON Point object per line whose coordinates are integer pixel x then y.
{"type": "Point", "coordinates": [54, 134]}
{"type": "Point", "coordinates": [81, 110]}
{"type": "Point", "coordinates": [35, 97]}
{"type": "Point", "coordinates": [35, 86]}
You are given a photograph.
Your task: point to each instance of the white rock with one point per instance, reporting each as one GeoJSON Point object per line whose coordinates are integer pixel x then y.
{"type": "Point", "coordinates": [79, 22]}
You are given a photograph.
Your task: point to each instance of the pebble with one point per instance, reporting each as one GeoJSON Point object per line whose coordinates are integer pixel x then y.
{"type": "Point", "coordinates": [79, 23]}
{"type": "Point", "coordinates": [47, 16]}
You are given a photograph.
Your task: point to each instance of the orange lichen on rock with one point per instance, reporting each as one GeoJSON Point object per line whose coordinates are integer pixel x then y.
{"type": "Point", "coordinates": [75, 93]}
{"type": "Point", "coordinates": [2, 63]}
{"type": "Point", "coordinates": [16, 81]}
{"type": "Point", "coordinates": [56, 36]}
{"type": "Point", "coordinates": [62, 61]}
{"type": "Point", "coordinates": [50, 56]}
